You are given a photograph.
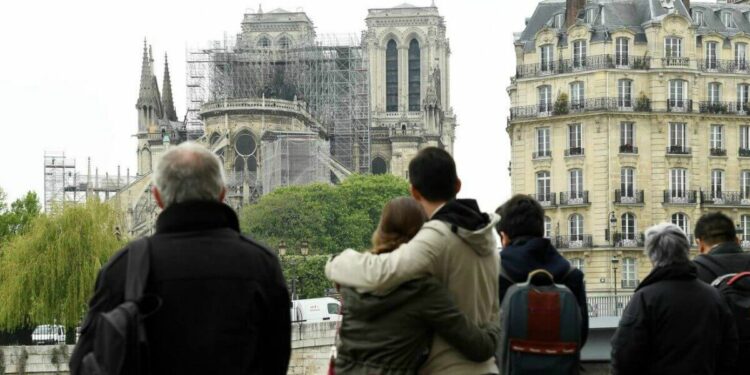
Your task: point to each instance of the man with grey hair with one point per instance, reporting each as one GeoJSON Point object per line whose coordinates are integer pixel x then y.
{"type": "Point", "coordinates": [674, 323]}
{"type": "Point", "coordinates": [224, 303]}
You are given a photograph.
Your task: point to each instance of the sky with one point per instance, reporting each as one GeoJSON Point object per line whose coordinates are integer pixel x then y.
{"type": "Point", "coordinates": [70, 72]}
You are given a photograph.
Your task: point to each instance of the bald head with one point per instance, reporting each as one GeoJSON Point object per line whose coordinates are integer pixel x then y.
{"type": "Point", "coordinates": [188, 172]}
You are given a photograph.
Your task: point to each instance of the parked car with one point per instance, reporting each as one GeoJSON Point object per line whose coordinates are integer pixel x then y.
{"type": "Point", "coordinates": [48, 334]}
{"type": "Point", "coordinates": [315, 310]}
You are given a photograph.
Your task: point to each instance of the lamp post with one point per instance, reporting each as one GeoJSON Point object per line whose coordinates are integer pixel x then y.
{"type": "Point", "coordinates": [612, 226]}
{"type": "Point", "coordinates": [615, 261]}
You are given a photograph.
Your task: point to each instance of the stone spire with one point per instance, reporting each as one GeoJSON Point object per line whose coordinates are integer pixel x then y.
{"type": "Point", "coordinates": [166, 95]}
{"type": "Point", "coordinates": [149, 102]}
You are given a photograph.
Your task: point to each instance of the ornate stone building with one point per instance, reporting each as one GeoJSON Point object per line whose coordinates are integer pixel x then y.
{"type": "Point", "coordinates": [628, 113]}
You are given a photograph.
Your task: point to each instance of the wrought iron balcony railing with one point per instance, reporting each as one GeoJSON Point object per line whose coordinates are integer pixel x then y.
{"type": "Point", "coordinates": [541, 154]}
{"type": "Point", "coordinates": [574, 198]}
{"type": "Point", "coordinates": [718, 152]}
{"type": "Point", "coordinates": [724, 66]}
{"type": "Point", "coordinates": [546, 200]}
{"type": "Point", "coordinates": [588, 63]}
{"type": "Point", "coordinates": [629, 284]}
{"type": "Point", "coordinates": [681, 62]}
{"type": "Point", "coordinates": [628, 240]}
{"type": "Point", "coordinates": [628, 149]}
{"type": "Point", "coordinates": [629, 196]}
{"type": "Point", "coordinates": [725, 198]}
{"type": "Point", "coordinates": [607, 305]}
{"type": "Point", "coordinates": [680, 196]}
{"type": "Point", "coordinates": [744, 152]}
{"type": "Point", "coordinates": [678, 150]}
{"type": "Point", "coordinates": [679, 105]}
{"type": "Point", "coordinates": [581, 106]}
{"type": "Point", "coordinates": [724, 108]}
{"type": "Point", "coordinates": [578, 241]}
{"type": "Point", "coordinates": [574, 151]}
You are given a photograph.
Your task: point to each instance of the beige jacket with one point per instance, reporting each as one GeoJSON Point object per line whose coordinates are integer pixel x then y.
{"type": "Point", "coordinates": [467, 262]}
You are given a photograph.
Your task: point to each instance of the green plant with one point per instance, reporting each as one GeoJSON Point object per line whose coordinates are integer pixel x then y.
{"type": "Point", "coordinates": [642, 103]}
{"type": "Point", "coordinates": [561, 105]}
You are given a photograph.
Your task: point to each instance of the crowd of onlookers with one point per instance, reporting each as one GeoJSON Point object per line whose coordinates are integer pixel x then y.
{"type": "Point", "coordinates": [432, 296]}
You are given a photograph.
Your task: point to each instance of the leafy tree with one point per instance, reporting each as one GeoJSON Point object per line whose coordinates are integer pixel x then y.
{"type": "Point", "coordinates": [305, 275]}
{"type": "Point", "coordinates": [17, 219]}
{"type": "Point", "coordinates": [48, 272]}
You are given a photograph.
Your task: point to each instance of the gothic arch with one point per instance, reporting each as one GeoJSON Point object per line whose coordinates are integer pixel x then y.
{"type": "Point", "coordinates": [145, 160]}
{"type": "Point", "coordinates": [391, 34]}
{"type": "Point", "coordinates": [413, 33]}
{"type": "Point", "coordinates": [379, 165]}
{"type": "Point", "coordinates": [280, 39]}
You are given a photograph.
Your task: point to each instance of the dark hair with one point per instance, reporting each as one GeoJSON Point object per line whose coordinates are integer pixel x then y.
{"type": "Point", "coordinates": [400, 221]}
{"type": "Point", "coordinates": [521, 216]}
{"type": "Point", "coordinates": [715, 227]}
{"type": "Point", "coordinates": [433, 174]}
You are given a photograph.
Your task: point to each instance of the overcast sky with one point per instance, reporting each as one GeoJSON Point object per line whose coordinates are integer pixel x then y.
{"type": "Point", "coordinates": [69, 76]}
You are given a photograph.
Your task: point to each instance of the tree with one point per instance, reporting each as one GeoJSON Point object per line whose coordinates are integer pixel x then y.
{"type": "Point", "coordinates": [47, 273]}
{"type": "Point", "coordinates": [17, 219]}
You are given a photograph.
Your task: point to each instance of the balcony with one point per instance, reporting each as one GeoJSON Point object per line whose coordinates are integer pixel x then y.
{"type": "Point", "coordinates": [574, 198]}
{"type": "Point", "coordinates": [680, 196]}
{"type": "Point", "coordinates": [723, 66]}
{"type": "Point", "coordinates": [680, 62]}
{"type": "Point", "coordinates": [589, 63]}
{"type": "Point", "coordinates": [546, 200]}
{"type": "Point", "coordinates": [725, 198]}
{"type": "Point", "coordinates": [744, 152]}
{"type": "Point", "coordinates": [629, 284]}
{"type": "Point", "coordinates": [574, 151]}
{"type": "Point", "coordinates": [723, 108]}
{"type": "Point", "coordinates": [628, 149]}
{"type": "Point", "coordinates": [582, 106]}
{"type": "Point", "coordinates": [579, 241]}
{"type": "Point", "coordinates": [629, 196]}
{"type": "Point", "coordinates": [678, 150]}
{"type": "Point", "coordinates": [679, 105]}
{"type": "Point", "coordinates": [718, 152]}
{"type": "Point", "coordinates": [630, 240]}
{"type": "Point", "coordinates": [541, 154]}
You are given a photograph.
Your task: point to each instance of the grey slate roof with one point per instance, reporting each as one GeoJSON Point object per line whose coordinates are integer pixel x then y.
{"type": "Point", "coordinates": [633, 15]}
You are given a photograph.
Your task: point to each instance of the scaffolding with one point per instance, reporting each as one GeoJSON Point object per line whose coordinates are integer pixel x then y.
{"type": "Point", "coordinates": [294, 158]}
{"type": "Point", "coordinates": [64, 184]}
{"type": "Point", "coordinates": [331, 76]}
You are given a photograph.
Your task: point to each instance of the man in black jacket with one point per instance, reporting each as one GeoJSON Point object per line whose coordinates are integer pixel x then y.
{"type": "Point", "coordinates": [720, 251]}
{"type": "Point", "coordinates": [225, 305]}
{"type": "Point", "coordinates": [525, 249]}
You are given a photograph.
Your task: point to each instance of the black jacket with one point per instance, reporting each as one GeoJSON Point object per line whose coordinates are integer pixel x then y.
{"type": "Point", "coordinates": [730, 258]}
{"type": "Point", "coordinates": [225, 303]}
{"type": "Point", "coordinates": [531, 253]}
{"type": "Point", "coordinates": [391, 334]}
{"type": "Point", "coordinates": [675, 325]}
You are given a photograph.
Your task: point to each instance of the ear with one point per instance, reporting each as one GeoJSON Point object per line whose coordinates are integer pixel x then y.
{"type": "Point", "coordinates": [458, 185]}
{"type": "Point", "coordinates": [157, 197]}
{"type": "Point", "coordinates": [223, 194]}
{"type": "Point", "coordinates": [504, 239]}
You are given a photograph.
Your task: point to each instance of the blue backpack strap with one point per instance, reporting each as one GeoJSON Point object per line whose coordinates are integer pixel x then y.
{"type": "Point", "coordinates": [137, 272]}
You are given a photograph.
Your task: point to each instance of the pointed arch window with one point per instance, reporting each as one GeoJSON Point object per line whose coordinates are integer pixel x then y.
{"type": "Point", "coordinates": [264, 42]}
{"type": "Point", "coordinates": [284, 43]}
{"type": "Point", "coordinates": [379, 166]}
{"type": "Point", "coordinates": [391, 77]}
{"type": "Point", "coordinates": [414, 75]}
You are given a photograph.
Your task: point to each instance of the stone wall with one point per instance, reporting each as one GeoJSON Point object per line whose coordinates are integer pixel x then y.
{"type": "Point", "coordinates": [311, 347]}
{"type": "Point", "coordinates": [35, 360]}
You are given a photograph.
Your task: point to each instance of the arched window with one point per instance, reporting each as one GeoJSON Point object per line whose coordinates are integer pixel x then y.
{"type": "Point", "coordinates": [575, 227]}
{"type": "Point", "coordinates": [627, 225]}
{"type": "Point", "coordinates": [264, 42]}
{"type": "Point", "coordinates": [245, 144]}
{"type": "Point", "coordinates": [391, 77]}
{"type": "Point", "coordinates": [239, 164]}
{"type": "Point", "coordinates": [214, 138]}
{"type": "Point", "coordinates": [379, 166]}
{"type": "Point", "coordinates": [252, 164]}
{"type": "Point", "coordinates": [547, 227]}
{"type": "Point", "coordinates": [284, 42]}
{"type": "Point", "coordinates": [681, 220]}
{"type": "Point", "coordinates": [414, 75]}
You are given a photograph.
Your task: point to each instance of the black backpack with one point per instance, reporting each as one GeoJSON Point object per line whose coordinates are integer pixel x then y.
{"type": "Point", "coordinates": [118, 337]}
{"type": "Point", "coordinates": [735, 289]}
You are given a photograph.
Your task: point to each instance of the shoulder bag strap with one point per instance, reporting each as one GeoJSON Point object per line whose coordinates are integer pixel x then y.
{"type": "Point", "coordinates": [136, 274]}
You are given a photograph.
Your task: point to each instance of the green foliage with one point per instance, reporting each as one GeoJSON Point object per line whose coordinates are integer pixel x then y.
{"type": "Point", "coordinates": [642, 103]}
{"type": "Point", "coordinates": [48, 272]}
{"type": "Point", "coordinates": [21, 213]}
{"type": "Point", "coordinates": [561, 105]}
{"type": "Point", "coordinates": [330, 218]}
{"type": "Point", "coordinates": [306, 275]}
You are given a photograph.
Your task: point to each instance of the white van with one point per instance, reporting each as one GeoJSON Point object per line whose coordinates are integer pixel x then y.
{"type": "Point", "coordinates": [48, 334]}
{"type": "Point", "coordinates": [316, 310]}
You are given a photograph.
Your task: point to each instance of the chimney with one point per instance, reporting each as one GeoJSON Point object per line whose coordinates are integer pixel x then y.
{"type": "Point", "coordinates": [572, 8]}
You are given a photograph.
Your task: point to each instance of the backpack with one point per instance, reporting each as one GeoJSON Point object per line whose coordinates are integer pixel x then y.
{"type": "Point", "coordinates": [118, 337]}
{"type": "Point", "coordinates": [541, 324]}
{"type": "Point", "coordinates": [735, 290]}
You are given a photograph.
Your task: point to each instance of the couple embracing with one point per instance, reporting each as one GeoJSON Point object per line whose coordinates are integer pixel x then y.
{"type": "Point", "coordinates": [425, 299]}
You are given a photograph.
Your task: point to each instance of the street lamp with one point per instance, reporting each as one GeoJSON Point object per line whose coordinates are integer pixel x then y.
{"type": "Point", "coordinates": [615, 261]}
{"type": "Point", "coordinates": [304, 248]}
{"type": "Point", "coordinates": [612, 226]}
{"type": "Point", "coordinates": [282, 248]}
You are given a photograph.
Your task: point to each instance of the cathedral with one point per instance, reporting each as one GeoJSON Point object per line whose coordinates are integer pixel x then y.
{"type": "Point", "coordinates": [281, 105]}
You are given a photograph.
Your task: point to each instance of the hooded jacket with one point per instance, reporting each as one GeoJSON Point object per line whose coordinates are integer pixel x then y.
{"type": "Point", "coordinates": [391, 334]}
{"type": "Point", "coordinates": [456, 246]}
{"type": "Point", "coordinates": [527, 254]}
{"type": "Point", "coordinates": [675, 325]}
{"type": "Point", "coordinates": [728, 256]}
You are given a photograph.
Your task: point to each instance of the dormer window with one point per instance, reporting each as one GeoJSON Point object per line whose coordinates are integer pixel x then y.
{"type": "Point", "coordinates": [698, 17]}
{"type": "Point", "coordinates": [558, 20]}
{"type": "Point", "coordinates": [591, 14]}
{"type": "Point", "coordinates": [728, 20]}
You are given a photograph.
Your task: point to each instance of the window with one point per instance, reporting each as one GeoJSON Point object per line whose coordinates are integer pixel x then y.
{"type": "Point", "coordinates": [575, 227]}
{"type": "Point", "coordinates": [547, 227]}
{"type": "Point", "coordinates": [681, 220]}
{"type": "Point", "coordinates": [245, 144]}
{"type": "Point", "coordinates": [577, 263]}
{"type": "Point", "coordinates": [546, 58]}
{"type": "Point", "coordinates": [624, 93]}
{"type": "Point", "coordinates": [745, 184]}
{"type": "Point", "coordinates": [672, 47]}
{"type": "Point", "coordinates": [711, 62]}
{"type": "Point", "coordinates": [621, 51]}
{"type": "Point", "coordinates": [714, 93]}
{"type": "Point", "coordinates": [717, 137]}
{"type": "Point", "coordinates": [577, 95]}
{"type": "Point", "coordinates": [678, 184]}
{"type": "Point", "coordinates": [591, 14]}
{"type": "Point", "coordinates": [740, 56]}
{"type": "Point", "coordinates": [264, 42]}
{"type": "Point", "coordinates": [744, 138]}
{"type": "Point", "coordinates": [678, 94]}
{"type": "Point", "coordinates": [579, 54]}
{"type": "Point", "coordinates": [284, 42]}
{"type": "Point", "coordinates": [576, 183]}
{"type": "Point", "coordinates": [543, 142]}
{"type": "Point", "coordinates": [379, 166]}
{"type": "Point", "coordinates": [698, 17]}
{"type": "Point", "coordinates": [627, 225]}
{"type": "Point", "coordinates": [543, 187]}
{"type": "Point", "coordinates": [717, 183]}
{"type": "Point", "coordinates": [545, 98]}
{"type": "Point", "coordinates": [414, 75]}
{"type": "Point", "coordinates": [743, 95]}
{"type": "Point", "coordinates": [558, 21]}
{"type": "Point", "coordinates": [391, 77]}
{"type": "Point", "coordinates": [334, 308]}
{"type": "Point", "coordinates": [727, 20]}
{"type": "Point", "coordinates": [745, 228]}
{"type": "Point", "coordinates": [627, 134]}
{"type": "Point", "coordinates": [677, 135]}
{"type": "Point", "coordinates": [575, 137]}
{"type": "Point", "coordinates": [629, 274]}
{"type": "Point", "coordinates": [627, 183]}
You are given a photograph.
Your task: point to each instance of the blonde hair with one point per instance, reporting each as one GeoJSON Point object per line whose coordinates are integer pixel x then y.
{"type": "Point", "coordinates": [401, 220]}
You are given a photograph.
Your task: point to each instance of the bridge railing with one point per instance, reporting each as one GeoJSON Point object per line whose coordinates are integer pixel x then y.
{"type": "Point", "coordinates": [607, 305]}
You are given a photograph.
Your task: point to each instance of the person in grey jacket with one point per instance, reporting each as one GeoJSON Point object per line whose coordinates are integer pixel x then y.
{"type": "Point", "coordinates": [390, 334]}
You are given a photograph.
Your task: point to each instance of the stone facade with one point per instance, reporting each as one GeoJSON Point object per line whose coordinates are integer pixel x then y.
{"type": "Point", "coordinates": [618, 126]}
